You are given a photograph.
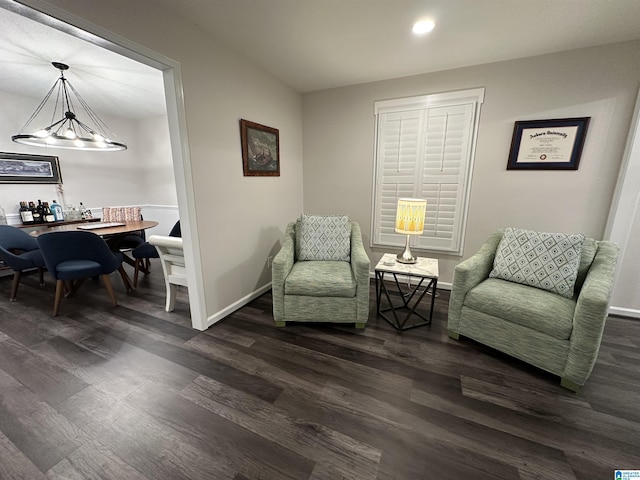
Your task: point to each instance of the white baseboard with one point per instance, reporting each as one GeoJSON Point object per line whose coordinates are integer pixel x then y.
{"type": "Point", "coordinates": [624, 312]}
{"type": "Point", "coordinates": [216, 317]}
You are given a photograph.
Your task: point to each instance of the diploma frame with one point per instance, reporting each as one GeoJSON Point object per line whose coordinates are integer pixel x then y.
{"type": "Point", "coordinates": [547, 144]}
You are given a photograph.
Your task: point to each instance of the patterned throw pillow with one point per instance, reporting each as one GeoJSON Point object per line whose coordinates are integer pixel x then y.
{"type": "Point", "coordinates": [324, 237]}
{"type": "Point", "coordinates": [543, 260]}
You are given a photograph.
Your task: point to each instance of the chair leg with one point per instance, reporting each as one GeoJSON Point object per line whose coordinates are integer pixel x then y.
{"type": "Point", "coordinates": [75, 285]}
{"type": "Point", "coordinates": [41, 275]}
{"type": "Point", "coordinates": [136, 271]}
{"type": "Point", "coordinates": [126, 280]}
{"type": "Point", "coordinates": [60, 287]}
{"type": "Point", "coordinates": [280, 324]}
{"type": "Point", "coordinates": [360, 325]}
{"type": "Point", "coordinates": [14, 285]}
{"type": "Point", "coordinates": [109, 287]}
{"type": "Point", "coordinates": [171, 297]}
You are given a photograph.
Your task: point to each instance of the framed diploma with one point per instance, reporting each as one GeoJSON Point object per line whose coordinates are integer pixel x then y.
{"type": "Point", "coordinates": [547, 144]}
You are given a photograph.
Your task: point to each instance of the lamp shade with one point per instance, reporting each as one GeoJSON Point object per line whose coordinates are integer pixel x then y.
{"type": "Point", "coordinates": [410, 216]}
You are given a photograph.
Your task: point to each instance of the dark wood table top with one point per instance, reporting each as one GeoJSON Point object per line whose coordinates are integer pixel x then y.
{"type": "Point", "coordinates": [128, 227]}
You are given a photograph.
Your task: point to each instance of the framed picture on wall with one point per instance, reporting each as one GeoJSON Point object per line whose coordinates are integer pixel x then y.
{"type": "Point", "coordinates": [27, 168]}
{"type": "Point", "coordinates": [547, 144]}
{"type": "Point", "coordinates": [260, 149]}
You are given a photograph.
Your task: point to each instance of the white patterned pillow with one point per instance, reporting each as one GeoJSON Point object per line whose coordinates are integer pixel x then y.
{"type": "Point", "coordinates": [548, 261]}
{"type": "Point", "coordinates": [324, 237]}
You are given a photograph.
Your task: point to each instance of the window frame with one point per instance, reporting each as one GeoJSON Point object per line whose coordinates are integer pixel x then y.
{"type": "Point", "coordinates": [472, 98]}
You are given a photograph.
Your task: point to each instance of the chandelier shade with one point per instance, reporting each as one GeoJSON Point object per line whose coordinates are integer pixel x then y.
{"type": "Point", "coordinates": [63, 128]}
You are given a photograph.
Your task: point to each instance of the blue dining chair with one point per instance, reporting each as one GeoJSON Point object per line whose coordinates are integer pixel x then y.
{"type": "Point", "coordinates": [20, 252]}
{"type": "Point", "coordinates": [144, 252]}
{"type": "Point", "coordinates": [75, 256]}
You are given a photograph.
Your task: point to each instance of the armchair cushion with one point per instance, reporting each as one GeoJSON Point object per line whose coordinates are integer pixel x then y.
{"type": "Point", "coordinates": [548, 261]}
{"type": "Point", "coordinates": [324, 237]}
{"type": "Point", "coordinates": [534, 308]}
{"type": "Point", "coordinates": [321, 279]}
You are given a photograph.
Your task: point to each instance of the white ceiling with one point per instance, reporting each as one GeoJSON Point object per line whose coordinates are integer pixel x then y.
{"type": "Point", "coordinates": [109, 82]}
{"type": "Point", "coordinates": [318, 44]}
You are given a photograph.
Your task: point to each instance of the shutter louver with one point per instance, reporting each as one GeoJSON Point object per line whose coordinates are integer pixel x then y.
{"type": "Point", "coordinates": [398, 144]}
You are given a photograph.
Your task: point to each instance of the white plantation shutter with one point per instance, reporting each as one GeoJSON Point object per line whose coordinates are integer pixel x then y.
{"type": "Point", "coordinates": [425, 149]}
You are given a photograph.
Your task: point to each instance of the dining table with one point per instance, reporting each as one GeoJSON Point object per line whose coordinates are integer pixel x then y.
{"type": "Point", "coordinates": [104, 229]}
{"type": "Point", "coordinates": [109, 231]}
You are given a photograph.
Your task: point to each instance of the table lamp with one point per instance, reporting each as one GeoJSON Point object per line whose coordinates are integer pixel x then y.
{"type": "Point", "coordinates": [410, 221]}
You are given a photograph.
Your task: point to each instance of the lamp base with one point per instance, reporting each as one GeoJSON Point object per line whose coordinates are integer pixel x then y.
{"type": "Point", "coordinates": [406, 256]}
{"type": "Point", "coordinates": [402, 259]}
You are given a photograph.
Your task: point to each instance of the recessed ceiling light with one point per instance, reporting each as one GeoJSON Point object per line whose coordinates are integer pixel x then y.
{"type": "Point", "coordinates": [423, 26]}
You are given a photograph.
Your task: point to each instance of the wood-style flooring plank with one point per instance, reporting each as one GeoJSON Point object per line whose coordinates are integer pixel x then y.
{"type": "Point", "coordinates": [311, 440]}
{"type": "Point", "coordinates": [14, 464]}
{"type": "Point", "coordinates": [93, 460]}
{"type": "Point", "coordinates": [38, 430]}
{"type": "Point", "coordinates": [217, 435]}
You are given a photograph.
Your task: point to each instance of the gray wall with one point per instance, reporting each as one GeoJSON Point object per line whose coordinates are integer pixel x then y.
{"type": "Point", "coordinates": [600, 83]}
{"type": "Point", "coordinates": [142, 174]}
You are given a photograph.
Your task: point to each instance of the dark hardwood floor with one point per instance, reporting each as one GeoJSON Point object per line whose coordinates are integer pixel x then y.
{"type": "Point", "coordinates": [133, 392]}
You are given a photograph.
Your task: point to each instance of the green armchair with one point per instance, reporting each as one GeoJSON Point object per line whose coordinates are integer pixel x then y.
{"type": "Point", "coordinates": [557, 334]}
{"type": "Point", "coordinates": [320, 290]}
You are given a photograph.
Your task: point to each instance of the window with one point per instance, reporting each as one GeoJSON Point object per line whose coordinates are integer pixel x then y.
{"type": "Point", "coordinates": [425, 148]}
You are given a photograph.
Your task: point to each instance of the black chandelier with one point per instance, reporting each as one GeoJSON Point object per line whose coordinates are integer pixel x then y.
{"type": "Point", "coordinates": [65, 129]}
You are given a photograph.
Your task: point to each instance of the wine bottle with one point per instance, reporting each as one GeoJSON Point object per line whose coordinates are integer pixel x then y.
{"type": "Point", "coordinates": [46, 211]}
{"type": "Point", "coordinates": [25, 214]}
{"type": "Point", "coordinates": [32, 209]}
{"type": "Point", "coordinates": [37, 213]}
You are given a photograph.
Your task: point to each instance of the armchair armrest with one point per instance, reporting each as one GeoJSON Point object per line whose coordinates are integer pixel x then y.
{"type": "Point", "coordinates": [360, 265]}
{"type": "Point", "coordinates": [360, 262]}
{"type": "Point", "coordinates": [591, 312]}
{"type": "Point", "coordinates": [469, 274]}
{"type": "Point", "coordinates": [281, 266]}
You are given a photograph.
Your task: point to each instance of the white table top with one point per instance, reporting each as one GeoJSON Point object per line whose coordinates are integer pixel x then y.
{"type": "Point", "coordinates": [424, 267]}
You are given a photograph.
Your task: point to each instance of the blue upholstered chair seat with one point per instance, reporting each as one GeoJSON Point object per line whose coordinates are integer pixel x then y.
{"type": "Point", "coordinates": [145, 250]}
{"type": "Point", "coordinates": [20, 251]}
{"type": "Point", "coordinates": [72, 269]}
{"type": "Point", "coordinates": [34, 257]}
{"type": "Point", "coordinates": [321, 279]}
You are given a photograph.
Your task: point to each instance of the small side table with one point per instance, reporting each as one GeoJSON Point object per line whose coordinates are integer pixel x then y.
{"type": "Point", "coordinates": [425, 269]}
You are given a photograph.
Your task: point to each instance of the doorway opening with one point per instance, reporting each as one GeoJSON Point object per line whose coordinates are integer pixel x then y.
{"type": "Point", "coordinates": [172, 82]}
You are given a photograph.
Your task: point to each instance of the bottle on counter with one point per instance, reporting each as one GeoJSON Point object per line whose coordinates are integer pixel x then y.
{"type": "Point", "coordinates": [37, 213]}
{"type": "Point", "coordinates": [47, 214]}
{"type": "Point", "coordinates": [56, 209]}
{"type": "Point", "coordinates": [32, 209]}
{"type": "Point", "coordinates": [26, 215]}
{"type": "Point", "coordinates": [85, 212]}
{"type": "Point", "coordinates": [3, 216]}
